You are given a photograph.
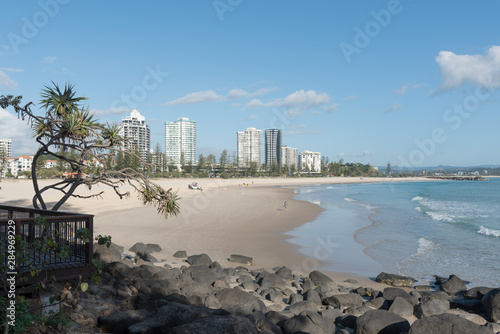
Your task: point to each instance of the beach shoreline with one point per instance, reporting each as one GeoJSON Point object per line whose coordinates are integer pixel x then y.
{"type": "Point", "coordinates": [230, 216]}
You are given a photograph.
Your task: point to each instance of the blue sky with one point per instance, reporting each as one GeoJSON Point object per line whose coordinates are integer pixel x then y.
{"type": "Point", "coordinates": [410, 82]}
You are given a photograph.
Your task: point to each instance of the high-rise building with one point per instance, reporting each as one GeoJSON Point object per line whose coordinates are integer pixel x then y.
{"type": "Point", "coordinates": [290, 157]}
{"type": "Point", "coordinates": [180, 141]}
{"type": "Point", "coordinates": [135, 129]}
{"type": "Point", "coordinates": [249, 147]}
{"type": "Point", "coordinates": [273, 147]}
{"type": "Point", "coordinates": [6, 147]}
{"type": "Point", "coordinates": [310, 161]}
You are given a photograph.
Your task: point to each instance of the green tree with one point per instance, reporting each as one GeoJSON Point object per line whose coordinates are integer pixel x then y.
{"type": "Point", "coordinates": [66, 124]}
{"type": "Point", "coordinates": [388, 171]}
{"type": "Point", "coordinates": [224, 159]}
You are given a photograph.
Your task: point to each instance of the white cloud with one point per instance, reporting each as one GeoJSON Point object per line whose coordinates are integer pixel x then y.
{"type": "Point", "coordinates": [316, 112]}
{"type": "Point", "coordinates": [236, 94]}
{"type": "Point", "coordinates": [301, 100]}
{"type": "Point", "coordinates": [255, 103]}
{"type": "Point", "coordinates": [456, 69]}
{"type": "Point", "coordinates": [252, 117]}
{"type": "Point", "coordinates": [292, 113]}
{"type": "Point", "coordinates": [17, 130]}
{"type": "Point", "coordinates": [197, 97]}
{"type": "Point", "coordinates": [364, 153]}
{"type": "Point", "coordinates": [393, 108]}
{"type": "Point", "coordinates": [48, 60]}
{"type": "Point", "coordinates": [263, 91]}
{"type": "Point", "coordinates": [6, 82]}
{"type": "Point", "coordinates": [10, 69]}
{"type": "Point", "coordinates": [350, 97]}
{"type": "Point", "coordinates": [332, 107]}
{"type": "Point", "coordinates": [341, 154]}
{"type": "Point", "coordinates": [405, 88]}
{"type": "Point", "coordinates": [111, 111]}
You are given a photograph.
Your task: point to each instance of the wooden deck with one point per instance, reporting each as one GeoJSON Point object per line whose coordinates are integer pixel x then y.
{"type": "Point", "coordinates": [61, 226]}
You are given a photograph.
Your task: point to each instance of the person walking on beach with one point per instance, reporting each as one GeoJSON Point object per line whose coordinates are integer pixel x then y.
{"type": "Point", "coordinates": [285, 205]}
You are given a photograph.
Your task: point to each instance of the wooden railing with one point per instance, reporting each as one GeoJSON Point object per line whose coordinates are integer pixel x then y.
{"type": "Point", "coordinates": [61, 227]}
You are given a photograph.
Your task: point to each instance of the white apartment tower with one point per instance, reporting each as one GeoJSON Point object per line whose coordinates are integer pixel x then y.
{"type": "Point", "coordinates": [273, 146]}
{"type": "Point", "coordinates": [180, 140]}
{"type": "Point", "coordinates": [290, 157]}
{"type": "Point", "coordinates": [249, 147]}
{"type": "Point", "coordinates": [310, 161]}
{"type": "Point", "coordinates": [135, 129]}
{"type": "Point", "coordinates": [6, 147]}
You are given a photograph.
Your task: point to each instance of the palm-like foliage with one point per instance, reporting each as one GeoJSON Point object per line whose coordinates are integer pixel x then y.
{"type": "Point", "coordinates": [57, 103]}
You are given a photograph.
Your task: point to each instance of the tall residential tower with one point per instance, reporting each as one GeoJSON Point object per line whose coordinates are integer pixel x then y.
{"type": "Point", "coordinates": [135, 129]}
{"type": "Point", "coordinates": [180, 141]}
{"type": "Point", "coordinates": [273, 147]}
{"type": "Point", "coordinates": [249, 147]}
{"type": "Point", "coordinates": [6, 147]}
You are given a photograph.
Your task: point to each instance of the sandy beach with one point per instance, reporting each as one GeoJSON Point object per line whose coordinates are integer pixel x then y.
{"type": "Point", "coordinates": [226, 218]}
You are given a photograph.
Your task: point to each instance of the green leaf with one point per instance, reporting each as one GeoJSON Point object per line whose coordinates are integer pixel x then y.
{"type": "Point", "coordinates": [84, 286]}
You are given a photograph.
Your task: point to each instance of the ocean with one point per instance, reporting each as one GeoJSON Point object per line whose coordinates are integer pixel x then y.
{"type": "Point", "coordinates": [417, 229]}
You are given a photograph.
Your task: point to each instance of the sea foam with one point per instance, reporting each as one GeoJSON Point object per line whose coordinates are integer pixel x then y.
{"type": "Point", "coordinates": [417, 198]}
{"type": "Point", "coordinates": [487, 231]}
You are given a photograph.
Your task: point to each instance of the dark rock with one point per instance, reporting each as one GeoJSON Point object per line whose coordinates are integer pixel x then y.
{"type": "Point", "coordinates": [201, 259]}
{"type": "Point", "coordinates": [319, 279]}
{"type": "Point", "coordinates": [153, 248]}
{"type": "Point", "coordinates": [241, 259]}
{"type": "Point", "coordinates": [120, 321]}
{"type": "Point", "coordinates": [220, 284]}
{"type": "Point", "coordinates": [284, 273]}
{"type": "Point", "coordinates": [391, 293]}
{"type": "Point", "coordinates": [469, 305]}
{"type": "Point", "coordinates": [201, 274]}
{"type": "Point", "coordinates": [401, 307]}
{"type": "Point", "coordinates": [333, 314]}
{"type": "Point", "coordinates": [453, 285]}
{"type": "Point", "coordinates": [274, 296]}
{"type": "Point", "coordinates": [244, 278]}
{"type": "Point", "coordinates": [307, 284]}
{"type": "Point", "coordinates": [344, 300]}
{"type": "Point", "coordinates": [477, 293]}
{"type": "Point", "coordinates": [212, 302]}
{"type": "Point", "coordinates": [145, 257]}
{"type": "Point", "coordinates": [325, 324]}
{"type": "Point", "coordinates": [263, 325]}
{"type": "Point", "coordinates": [313, 297]}
{"type": "Point", "coordinates": [435, 294]}
{"type": "Point", "coordinates": [143, 248]}
{"type": "Point", "coordinates": [304, 324]}
{"type": "Point", "coordinates": [378, 303]}
{"type": "Point", "coordinates": [431, 306]}
{"type": "Point", "coordinates": [164, 287]}
{"type": "Point", "coordinates": [276, 318]}
{"type": "Point", "coordinates": [295, 298]}
{"type": "Point", "coordinates": [250, 286]}
{"type": "Point", "coordinates": [239, 302]}
{"type": "Point", "coordinates": [381, 321]}
{"type": "Point", "coordinates": [118, 270]}
{"type": "Point", "coordinates": [491, 303]}
{"type": "Point", "coordinates": [180, 254]}
{"type": "Point", "coordinates": [215, 266]}
{"type": "Point", "coordinates": [395, 280]}
{"type": "Point", "coordinates": [348, 320]}
{"type": "Point", "coordinates": [108, 255]}
{"type": "Point", "coordinates": [229, 271]}
{"type": "Point", "coordinates": [446, 324]}
{"type": "Point", "coordinates": [305, 305]}
{"type": "Point", "coordinates": [422, 287]}
{"type": "Point", "coordinates": [272, 281]}
{"type": "Point", "coordinates": [166, 274]}
{"type": "Point", "coordinates": [351, 281]}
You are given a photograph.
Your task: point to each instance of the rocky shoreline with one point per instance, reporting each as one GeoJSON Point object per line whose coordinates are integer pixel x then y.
{"type": "Point", "coordinates": [140, 295]}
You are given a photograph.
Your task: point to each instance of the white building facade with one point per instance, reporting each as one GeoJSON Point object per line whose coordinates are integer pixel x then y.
{"type": "Point", "coordinates": [310, 161]}
{"type": "Point", "coordinates": [180, 141]}
{"type": "Point", "coordinates": [18, 164]}
{"type": "Point", "coordinates": [249, 147]}
{"type": "Point", "coordinates": [135, 129]}
{"type": "Point", "coordinates": [6, 147]}
{"type": "Point", "coordinates": [290, 157]}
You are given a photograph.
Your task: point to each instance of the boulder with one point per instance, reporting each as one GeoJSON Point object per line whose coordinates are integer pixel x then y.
{"type": "Point", "coordinates": [272, 281]}
{"type": "Point", "coordinates": [244, 278]}
{"type": "Point", "coordinates": [295, 298]}
{"type": "Point", "coordinates": [118, 270]}
{"type": "Point", "coordinates": [201, 274]}
{"type": "Point", "coordinates": [334, 314]}
{"type": "Point", "coordinates": [395, 280]}
{"type": "Point", "coordinates": [446, 324]}
{"type": "Point", "coordinates": [390, 295]}
{"type": "Point", "coordinates": [217, 325]}
{"type": "Point", "coordinates": [381, 321]}
{"type": "Point", "coordinates": [401, 307]}
{"type": "Point", "coordinates": [145, 257]}
{"type": "Point", "coordinates": [108, 255]}
{"type": "Point", "coordinates": [145, 248]}
{"type": "Point", "coordinates": [276, 318]}
{"type": "Point", "coordinates": [180, 254]}
{"type": "Point", "coordinates": [119, 322]}
{"type": "Point", "coordinates": [378, 303]}
{"type": "Point", "coordinates": [201, 259]}
{"type": "Point", "coordinates": [477, 292]}
{"type": "Point", "coordinates": [344, 300]}
{"type": "Point", "coordinates": [239, 302]}
{"type": "Point", "coordinates": [313, 297]}
{"type": "Point", "coordinates": [453, 285]}
{"type": "Point", "coordinates": [305, 305]}
{"type": "Point", "coordinates": [284, 273]}
{"type": "Point", "coordinates": [319, 279]}
{"type": "Point", "coordinates": [306, 324]}
{"type": "Point", "coordinates": [431, 306]}
{"type": "Point", "coordinates": [241, 259]}
{"type": "Point", "coordinates": [491, 303]}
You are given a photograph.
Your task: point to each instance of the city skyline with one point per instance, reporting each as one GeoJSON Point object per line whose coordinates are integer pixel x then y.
{"type": "Point", "coordinates": [398, 81]}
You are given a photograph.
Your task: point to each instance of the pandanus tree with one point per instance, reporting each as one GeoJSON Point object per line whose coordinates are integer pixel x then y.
{"type": "Point", "coordinates": [68, 125]}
